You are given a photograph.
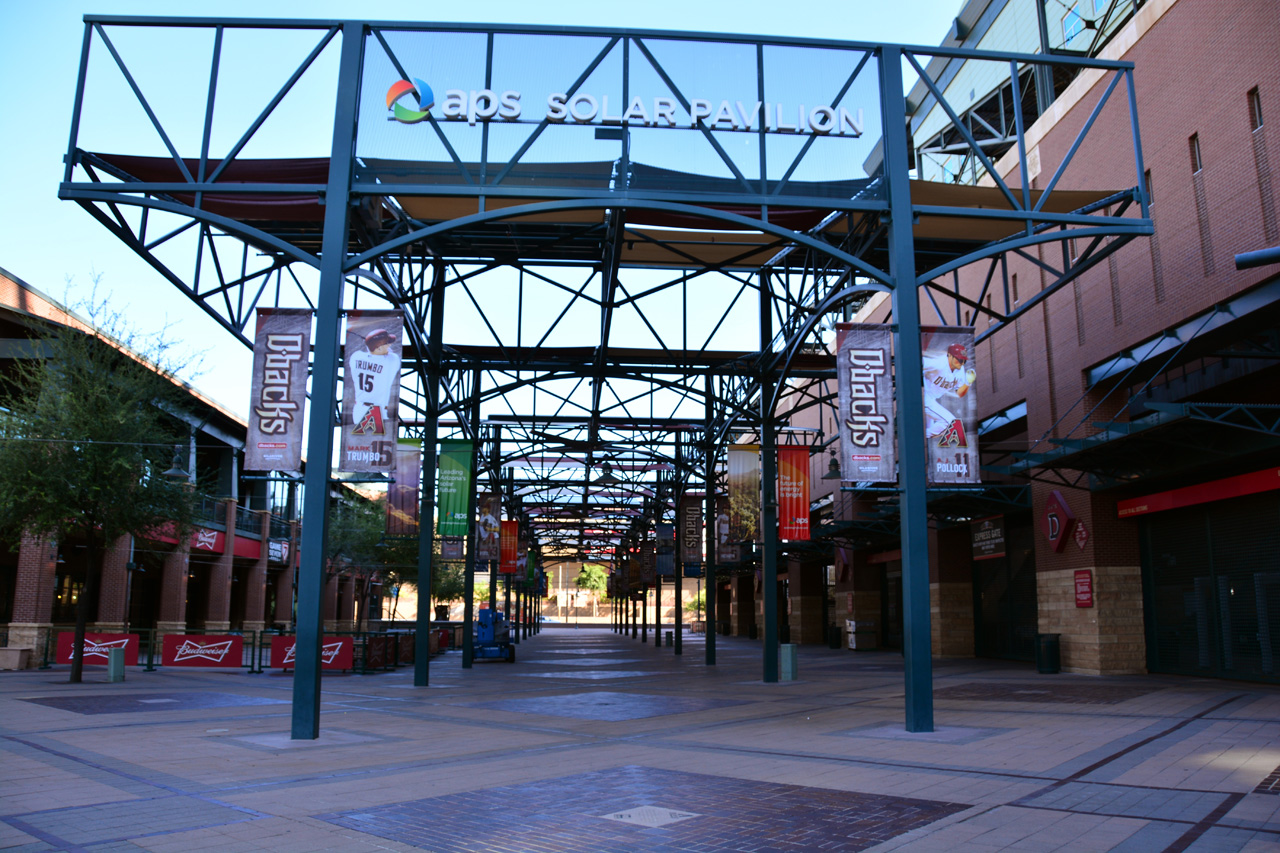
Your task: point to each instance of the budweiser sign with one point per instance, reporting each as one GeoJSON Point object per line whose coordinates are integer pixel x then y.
{"type": "Point", "coordinates": [96, 647]}
{"type": "Point", "coordinates": [335, 653]}
{"type": "Point", "coordinates": [199, 650]}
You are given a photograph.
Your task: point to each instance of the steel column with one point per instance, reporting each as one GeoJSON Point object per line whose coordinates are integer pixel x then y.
{"type": "Point", "coordinates": [426, 516]}
{"type": "Point", "coordinates": [469, 570]}
{"type": "Point", "coordinates": [768, 489]}
{"type": "Point", "coordinates": [306, 678]}
{"type": "Point", "coordinates": [712, 534]}
{"type": "Point", "coordinates": [912, 478]}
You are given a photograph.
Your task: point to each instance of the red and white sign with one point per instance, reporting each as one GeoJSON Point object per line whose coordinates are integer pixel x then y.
{"type": "Point", "coordinates": [335, 652]}
{"type": "Point", "coordinates": [1058, 521]}
{"type": "Point", "coordinates": [1217, 490]}
{"type": "Point", "coordinates": [793, 493]}
{"type": "Point", "coordinates": [509, 547]}
{"type": "Point", "coordinates": [204, 539]}
{"type": "Point", "coordinates": [1084, 588]}
{"type": "Point", "coordinates": [201, 650]}
{"type": "Point", "coordinates": [96, 647]}
{"type": "Point", "coordinates": [1081, 535]}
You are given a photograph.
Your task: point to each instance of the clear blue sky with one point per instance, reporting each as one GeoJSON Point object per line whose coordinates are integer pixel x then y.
{"type": "Point", "coordinates": [57, 248]}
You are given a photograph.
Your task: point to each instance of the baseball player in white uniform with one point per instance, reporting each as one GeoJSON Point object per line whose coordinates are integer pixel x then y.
{"type": "Point", "coordinates": [376, 370]}
{"type": "Point", "coordinates": [944, 374]}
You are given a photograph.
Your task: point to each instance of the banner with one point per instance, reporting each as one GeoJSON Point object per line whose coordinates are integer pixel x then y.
{"type": "Point", "coordinates": [988, 537]}
{"type": "Point", "coordinates": [202, 650]}
{"type": "Point", "coordinates": [689, 516]}
{"type": "Point", "coordinates": [96, 647]}
{"type": "Point", "coordinates": [335, 652]}
{"type": "Point", "coordinates": [744, 492]}
{"type": "Point", "coordinates": [488, 526]}
{"type": "Point", "coordinates": [371, 390]}
{"type": "Point", "coordinates": [404, 496]}
{"type": "Point", "coordinates": [510, 547]}
{"type": "Point", "coordinates": [726, 551]}
{"type": "Point", "coordinates": [665, 550]}
{"type": "Point", "coordinates": [950, 404]}
{"type": "Point", "coordinates": [278, 390]}
{"type": "Point", "coordinates": [793, 493]}
{"type": "Point", "coordinates": [865, 386]}
{"type": "Point", "coordinates": [454, 491]}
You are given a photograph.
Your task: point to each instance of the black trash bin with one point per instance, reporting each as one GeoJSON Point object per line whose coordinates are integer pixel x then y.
{"type": "Point", "coordinates": [1048, 653]}
{"type": "Point", "coordinates": [834, 636]}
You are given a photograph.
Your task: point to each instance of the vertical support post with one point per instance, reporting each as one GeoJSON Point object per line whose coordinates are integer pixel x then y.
{"type": "Point", "coordinates": [426, 515]}
{"type": "Point", "coordinates": [1041, 74]}
{"type": "Point", "coordinates": [306, 679]}
{"type": "Point", "coordinates": [912, 477]}
{"type": "Point", "coordinates": [469, 572]}
{"type": "Point", "coordinates": [768, 488]}
{"type": "Point", "coordinates": [713, 534]}
{"type": "Point", "coordinates": [657, 611]}
{"type": "Point", "coordinates": [644, 614]}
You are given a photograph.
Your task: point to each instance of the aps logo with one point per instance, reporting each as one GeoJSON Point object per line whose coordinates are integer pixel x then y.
{"type": "Point", "coordinates": [421, 92]}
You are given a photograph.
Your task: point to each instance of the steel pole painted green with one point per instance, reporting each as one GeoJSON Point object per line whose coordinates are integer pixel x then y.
{"type": "Point", "coordinates": [469, 596]}
{"type": "Point", "coordinates": [426, 515]}
{"type": "Point", "coordinates": [768, 489]}
{"type": "Point", "coordinates": [709, 461]}
{"type": "Point", "coordinates": [909, 369]}
{"type": "Point", "coordinates": [315, 529]}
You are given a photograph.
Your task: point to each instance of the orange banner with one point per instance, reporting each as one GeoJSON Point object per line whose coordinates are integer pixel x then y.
{"type": "Point", "coordinates": [510, 546]}
{"type": "Point", "coordinates": [793, 493]}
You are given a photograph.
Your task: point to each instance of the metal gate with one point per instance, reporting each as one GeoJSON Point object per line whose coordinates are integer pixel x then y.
{"type": "Point", "coordinates": [1211, 582]}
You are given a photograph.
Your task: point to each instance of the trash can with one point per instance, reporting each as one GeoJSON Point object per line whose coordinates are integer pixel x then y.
{"type": "Point", "coordinates": [671, 639]}
{"type": "Point", "coordinates": [834, 636]}
{"type": "Point", "coordinates": [1048, 653]}
{"type": "Point", "coordinates": [115, 664]}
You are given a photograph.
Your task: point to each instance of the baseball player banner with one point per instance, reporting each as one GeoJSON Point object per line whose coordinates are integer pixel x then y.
{"type": "Point", "coordinates": [455, 488]}
{"type": "Point", "coordinates": [865, 387]}
{"type": "Point", "coordinates": [488, 527]}
{"type": "Point", "coordinates": [371, 390]}
{"type": "Point", "coordinates": [403, 496]}
{"type": "Point", "coordinates": [202, 650]}
{"type": "Point", "coordinates": [727, 551]}
{"type": "Point", "coordinates": [278, 390]}
{"type": "Point", "coordinates": [744, 492]}
{"type": "Point", "coordinates": [950, 405]}
{"type": "Point", "coordinates": [510, 547]}
{"type": "Point", "coordinates": [793, 493]}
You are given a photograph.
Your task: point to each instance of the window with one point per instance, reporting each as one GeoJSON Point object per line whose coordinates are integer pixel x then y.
{"type": "Point", "coordinates": [1015, 288]}
{"type": "Point", "coordinates": [1146, 183]}
{"type": "Point", "coordinates": [1196, 163]}
{"type": "Point", "coordinates": [1255, 109]}
{"type": "Point", "coordinates": [1072, 23]}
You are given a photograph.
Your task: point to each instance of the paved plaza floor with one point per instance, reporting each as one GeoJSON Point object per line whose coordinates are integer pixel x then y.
{"type": "Point", "coordinates": [592, 741]}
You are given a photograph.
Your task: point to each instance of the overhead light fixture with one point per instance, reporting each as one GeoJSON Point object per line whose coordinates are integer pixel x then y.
{"type": "Point", "coordinates": [176, 471]}
{"type": "Point", "coordinates": [606, 476]}
{"type": "Point", "coordinates": [833, 468]}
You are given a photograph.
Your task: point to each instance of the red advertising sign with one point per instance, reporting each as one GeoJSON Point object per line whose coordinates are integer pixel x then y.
{"type": "Point", "coordinates": [201, 650]}
{"type": "Point", "coordinates": [335, 652]}
{"type": "Point", "coordinates": [96, 647]}
{"type": "Point", "coordinates": [212, 541]}
{"type": "Point", "coordinates": [793, 493]}
{"type": "Point", "coordinates": [1217, 490]}
{"type": "Point", "coordinates": [1084, 588]}
{"type": "Point", "coordinates": [510, 547]}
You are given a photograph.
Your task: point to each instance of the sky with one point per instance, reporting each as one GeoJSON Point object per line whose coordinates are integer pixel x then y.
{"type": "Point", "coordinates": [60, 250]}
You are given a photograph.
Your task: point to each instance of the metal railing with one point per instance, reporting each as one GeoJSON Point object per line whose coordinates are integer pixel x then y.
{"type": "Point", "coordinates": [248, 522]}
{"type": "Point", "coordinates": [212, 511]}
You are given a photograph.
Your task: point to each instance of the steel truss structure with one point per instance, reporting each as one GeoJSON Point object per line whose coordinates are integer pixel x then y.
{"type": "Point", "coordinates": [602, 302]}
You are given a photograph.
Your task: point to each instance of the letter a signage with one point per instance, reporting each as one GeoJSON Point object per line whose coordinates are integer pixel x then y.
{"type": "Point", "coordinates": [278, 390]}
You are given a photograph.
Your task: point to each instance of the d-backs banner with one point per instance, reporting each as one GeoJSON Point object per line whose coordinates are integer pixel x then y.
{"type": "Point", "coordinates": [510, 548]}
{"type": "Point", "coordinates": [950, 404]}
{"type": "Point", "coordinates": [793, 493]}
{"type": "Point", "coordinates": [744, 492]}
{"type": "Point", "coordinates": [403, 498]}
{"type": "Point", "coordinates": [865, 385]}
{"type": "Point", "coordinates": [454, 491]}
{"type": "Point", "coordinates": [278, 390]}
{"type": "Point", "coordinates": [689, 515]}
{"type": "Point", "coordinates": [371, 390]}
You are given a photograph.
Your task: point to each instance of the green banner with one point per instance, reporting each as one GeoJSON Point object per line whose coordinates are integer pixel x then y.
{"type": "Point", "coordinates": [455, 488]}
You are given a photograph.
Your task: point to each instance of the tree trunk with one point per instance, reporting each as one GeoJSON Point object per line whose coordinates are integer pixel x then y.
{"type": "Point", "coordinates": [89, 593]}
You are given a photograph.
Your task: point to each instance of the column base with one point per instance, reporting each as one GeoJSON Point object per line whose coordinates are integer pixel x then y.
{"type": "Point", "coordinates": [216, 627]}
{"type": "Point", "coordinates": [31, 635]}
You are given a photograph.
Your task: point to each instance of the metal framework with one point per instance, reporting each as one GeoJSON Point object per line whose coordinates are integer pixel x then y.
{"type": "Point", "coordinates": [603, 303]}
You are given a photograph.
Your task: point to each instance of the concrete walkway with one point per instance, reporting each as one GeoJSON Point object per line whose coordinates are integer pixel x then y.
{"type": "Point", "coordinates": [592, 741]}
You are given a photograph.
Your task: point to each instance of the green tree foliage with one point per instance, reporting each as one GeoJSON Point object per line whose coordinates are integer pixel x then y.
{"type": "Point", "coordinates": [593, 578]}
{"type": "Point", "coordinates": [87, 433]}
{"type": "Point", "coordinates": [698, 603]}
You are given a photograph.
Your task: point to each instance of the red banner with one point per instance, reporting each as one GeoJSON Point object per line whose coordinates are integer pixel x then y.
{"type": "Point", "coordinates": [202, 650]}
{"type": "Point", "coordinates": [335, 653]}
{"type": "Point", "coordinates": [96, 647]}
{"type": "Point", "coordinates": [793, 493]}
{"type": "Point", "coordinates": [507, 564]}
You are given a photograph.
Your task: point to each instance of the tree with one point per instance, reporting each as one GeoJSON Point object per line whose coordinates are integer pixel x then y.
{"type": "Point", "coordinates": [88, 432]}
{"type": "Point", "coordinates": [594, 579]}
{"type": "Point", "coordinates": [698, 602]}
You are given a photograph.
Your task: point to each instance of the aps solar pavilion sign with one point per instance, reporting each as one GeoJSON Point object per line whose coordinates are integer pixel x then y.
{"type": "Point", "coordinates": [484, 105]}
